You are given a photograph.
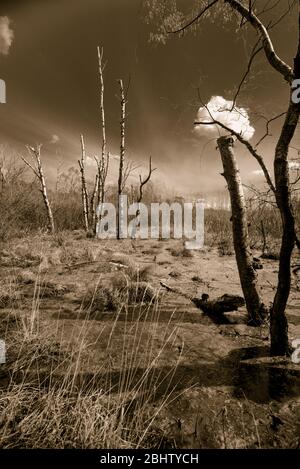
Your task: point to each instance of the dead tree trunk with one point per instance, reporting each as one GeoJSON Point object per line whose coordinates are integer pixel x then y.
{"type": "Point", "coordinates": [37, 169]}
{"type": "Point", "coordinates": [279, 327]}
{"type": "Point", "coordinates": [243, 254]}
{"type": "Point", "coordinates": [51, 226]}
{"type": "Point", "coordinates": [84, 193]}
{"type": "Point", "coordinates": [264, 237]}
{"type": "Point", "coordinates": [279, 324]}
{"type": "Point", "coordinates": [102, 111]}
{"type": "Point", "coordinates": [103, 163]}
{"type": "Point", "coordinates": [92, 204]}
{"type": "Point", "coordinates": [122, 156]}
{"type": "Point", "coordinates": [143, 183]}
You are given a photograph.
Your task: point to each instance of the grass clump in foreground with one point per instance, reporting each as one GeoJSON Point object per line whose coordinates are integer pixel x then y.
{"type": "Point", "coordinates": [54, 395]}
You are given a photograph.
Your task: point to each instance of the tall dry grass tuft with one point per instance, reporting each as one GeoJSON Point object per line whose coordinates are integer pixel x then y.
{"type": "Point", "coordinates": [96, 389]}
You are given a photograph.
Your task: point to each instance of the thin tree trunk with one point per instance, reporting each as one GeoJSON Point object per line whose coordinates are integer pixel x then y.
{"type": "Point", "coordinates": [103, 163]}
{"type": "Point", "coordinates": [243, 254]}
{"type": "Point", "coordinates": [279, 324]}
{"type": "Point", "coordinates": [263, 233]}
{"type": "Point", "coordinates": [92, 204]}
{"type": "Point", "coordinates": [37, 169]}
{"type": "Point", "coordinates": [51, 225]}
{"type": "Point", "coordinates": [143, 183]}
{"type": "Point", "coordinates": [84, 193]}
{"type": "Point", "coordinates": [122, 155]}
{"type": "Point", "coordinates": [102, 111]}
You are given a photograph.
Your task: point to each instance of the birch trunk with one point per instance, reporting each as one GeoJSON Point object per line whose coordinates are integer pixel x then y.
{"type": "Point", "coordinates": [92, 204]}
{"type": "Point", "coordinates": [51, 226]}
{"type": "Point", "coordinates": [84, 193]}
{"type": "Point", "coordinates": [101, 163]}
{"type": "Point", "coordinates": [243, 254]}
{"type": "Point", "coordinates": [37, 169]}
{"type": "Point", "coordinates": [122, 156]}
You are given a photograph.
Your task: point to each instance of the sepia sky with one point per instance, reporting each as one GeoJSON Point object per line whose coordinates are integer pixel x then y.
{"type": "Point", "coordinates": [50, 70]}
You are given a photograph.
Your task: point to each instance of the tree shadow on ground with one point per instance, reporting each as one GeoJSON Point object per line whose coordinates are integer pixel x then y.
{"type": "Point", "coordinates": [258, 381]}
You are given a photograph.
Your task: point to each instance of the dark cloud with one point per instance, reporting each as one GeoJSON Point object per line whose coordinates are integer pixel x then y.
{"type": "Point", "coordinates": [53, 87]}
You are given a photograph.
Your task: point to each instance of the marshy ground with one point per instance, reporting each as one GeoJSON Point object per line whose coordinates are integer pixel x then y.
{"type": "Point", "coordinates": [99, 354]}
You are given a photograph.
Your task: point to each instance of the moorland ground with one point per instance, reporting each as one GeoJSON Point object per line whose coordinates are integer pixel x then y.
{"type": "Point", "coordinates": [99, 354]}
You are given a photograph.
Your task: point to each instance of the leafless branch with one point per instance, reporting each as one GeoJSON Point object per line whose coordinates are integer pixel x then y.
{"type": "Point", "coordinates": [268, 122]}
{"type": "Point", "coordinates": [195, 19]}
{"type": "Point", "coordinates": [143, 182]}
{"type": "Point", "coordinates": [128, 169]}
{"type": "Point", "coordinates": [254, 53]}
{"type": "Point", "coordinates": [275, 61]}
{"type": "Point", "coordinates": [30, 166]}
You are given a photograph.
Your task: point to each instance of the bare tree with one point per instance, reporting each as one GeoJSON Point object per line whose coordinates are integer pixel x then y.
{"type": "Point", "coordinates": [84, 191]}
{"type": "Point", "coordinates": [37, 169]}
{"type": "Point", "coordinates": [93, 220]}
{"type": "Point", "coordinates": [248, 278]}
{"type": "Point", "coordinates": [249, 14]}
{"type": "Point", "coordinates": [100, 188]}
{"type": "Point", "coordinates": [121, 177]}
{"type": "Point", "coordinates": [241, 243]}
{"type": "Point", "coordinates": [89, 203]}
{"type": "Point", "coordinates": [103, 161]}
{"type": "Point", "coordinates": [142, 184]}
{"type": "Point", "coordinates": [145, 181]}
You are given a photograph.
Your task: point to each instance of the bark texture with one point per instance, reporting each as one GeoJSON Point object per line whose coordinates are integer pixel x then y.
{"type": "Point", "coordinates": [248, 276]}
{"type": "Point", "coordinates": [103, 161]}
{"type": "Point", "coordinates": [37, 169]}
{"type": "Point", "coordinates": [279, 324]}
{"type": "Point", "coordinates": [122, 155]}
{"type": "Point", "coordinates": [84, 193]}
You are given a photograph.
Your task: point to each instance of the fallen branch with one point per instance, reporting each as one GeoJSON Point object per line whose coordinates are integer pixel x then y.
{"type": "Point", "coordinates": [223, 304]}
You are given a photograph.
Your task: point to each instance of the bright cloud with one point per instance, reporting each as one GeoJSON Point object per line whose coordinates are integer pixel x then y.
{"type": "Point", "coordinates": [6, 35]}
{"type": "Point", "coordinates": [219, 109]}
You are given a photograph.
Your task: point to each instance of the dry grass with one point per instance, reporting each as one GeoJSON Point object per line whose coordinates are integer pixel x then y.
{"type": "Point", "coordinates": [53, 395]}
{"type": "Point", "coordinates": [123, 288]}
{"type": "Point", "coordinates": [109, 381]}
{"type": "Point", "coordinates": [181, 251]}
{"type": "Point", "coordinates": [225, 247]}
{"type": "Point", "coordinates": [48, 402]}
